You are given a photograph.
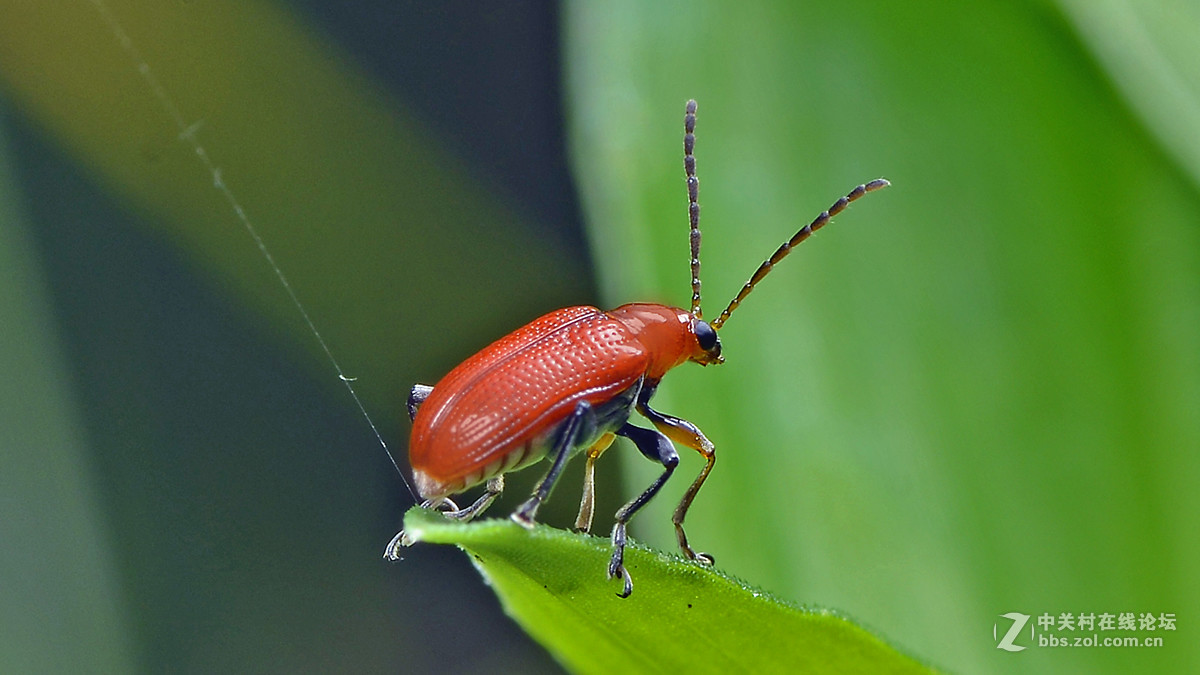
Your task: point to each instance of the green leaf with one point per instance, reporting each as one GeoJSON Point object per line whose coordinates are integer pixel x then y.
{"type": "Point", "coordinates": [52, 529]}
{"type": "Point", "coordinates": [682, 617]}
{"type": "Point", "coordinates": [1147, 50]}
{"type": "Point", "coordinates": [974, 392]}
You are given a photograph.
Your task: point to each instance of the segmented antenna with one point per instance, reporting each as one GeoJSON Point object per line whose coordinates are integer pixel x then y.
{"type": "Point", "coordinates": [693, 185]}
{"type": "Point", "coordinates": [783, 250]}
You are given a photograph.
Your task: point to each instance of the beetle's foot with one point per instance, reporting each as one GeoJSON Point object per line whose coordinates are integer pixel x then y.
{"type": "Point", "coordinates": [445, 506]}
{"type": "Point", "coordinates": [705, 559]}
{"type": "Point", "coordinates": [583, 522]}
{"type": "Point", "coordinates": [688, 552]}
{"type": "Point", "coordinates": [525, 513]}
{"type": "Point", "coordinates": [616, 567]}
{"type": "Point", "coordinates": [391, 552]}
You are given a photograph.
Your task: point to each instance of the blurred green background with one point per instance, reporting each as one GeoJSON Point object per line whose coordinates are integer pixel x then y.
{"type": "Point", "coordinates": [976, 393]}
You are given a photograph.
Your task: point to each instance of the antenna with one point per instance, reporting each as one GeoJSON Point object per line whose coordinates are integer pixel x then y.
{"type": "Point", "coordinates": [693, 185]}
{"type": "Point", "coordinates": [781, 253]}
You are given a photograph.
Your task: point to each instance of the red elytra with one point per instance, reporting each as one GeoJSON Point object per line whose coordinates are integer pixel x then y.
{"type": "Point", "coordinates": [492, 408]}
{"type": "Point", "coordinates": [568, 383]}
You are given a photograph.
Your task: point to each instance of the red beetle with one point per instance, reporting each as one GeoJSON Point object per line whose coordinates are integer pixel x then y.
{"type": "Point", "coordinates": [568, 382]}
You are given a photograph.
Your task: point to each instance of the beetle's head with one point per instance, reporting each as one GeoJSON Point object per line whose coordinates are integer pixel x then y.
{"type": "Point", "coordinates": [707, 342]}
{"type": "Point", "coordinates": [670, 336]}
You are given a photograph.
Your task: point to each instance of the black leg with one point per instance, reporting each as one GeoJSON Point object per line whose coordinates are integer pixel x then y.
{"type": "Point", "coordinates": [657, 447]}
{"type": "Point", "coordinates": [573, 429]}
{"type": "Point", "coordinates": [416, 397]}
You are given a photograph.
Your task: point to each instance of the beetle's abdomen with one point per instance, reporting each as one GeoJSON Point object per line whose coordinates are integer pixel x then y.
{"type": "Point", "coordinates": [494, 412]}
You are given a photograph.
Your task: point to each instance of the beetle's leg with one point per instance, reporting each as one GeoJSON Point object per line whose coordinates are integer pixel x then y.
{"type": "Point", "coordinates": [391, 552]}
{"type": "Point", "coordinates": [494, 487]}
{"type": "Point", "coordinates": [685, 433]}
{"type": "Point", "coordinates": [416, 397]}
{"type": "Point", "coordinates": [572, 429]}
{"type": "Point", "coordinates": [445, 505]}
{"type": "Point", "coordinates": [583, 522]}
{"type": "Point", "coordinates": [587, 502]}
{"type": "Point", "coordinates": [657, 447]}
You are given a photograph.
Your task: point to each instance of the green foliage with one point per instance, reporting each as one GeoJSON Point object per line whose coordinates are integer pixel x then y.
{"type": "Point", "coordinates": [682, 617]}
{"type": "Point", "coordinates": [51, 530]}
{"type": "Point", "coordinates": [976, 391]}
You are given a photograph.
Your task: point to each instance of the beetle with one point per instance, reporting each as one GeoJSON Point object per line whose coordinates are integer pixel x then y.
{"type": "Point", "coordinates": [568, 383]}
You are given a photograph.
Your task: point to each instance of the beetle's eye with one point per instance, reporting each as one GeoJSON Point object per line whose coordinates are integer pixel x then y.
{"type": "Point", "coordinates": [705, 335]}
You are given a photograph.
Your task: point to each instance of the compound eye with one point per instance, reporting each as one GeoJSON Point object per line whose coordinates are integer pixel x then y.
{"type": "Point", "coordinates": [706, 337]}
